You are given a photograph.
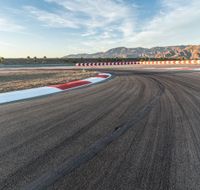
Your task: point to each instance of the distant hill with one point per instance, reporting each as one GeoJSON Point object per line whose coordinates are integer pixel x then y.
{"type": "Point", "coordinates": [183, 51]}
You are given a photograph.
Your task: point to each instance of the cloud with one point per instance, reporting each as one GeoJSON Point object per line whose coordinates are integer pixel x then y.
{"type": "Point", "coordinates": [91, 17]}
{"type": "Point", "coordinates": [96, 10]}
{"type": "Point", "coordinates": [6, 44]}
{"type": "Point", "coordinates": [8, 26]}
{"type": "Point", "coordinates": [177, 23]}
{"type": "Point", "coordinates": [51, 19]}
{"type": "Point", "coordinates": [89, 33]}
{"type": "Point", "coordinates": [102, 24]}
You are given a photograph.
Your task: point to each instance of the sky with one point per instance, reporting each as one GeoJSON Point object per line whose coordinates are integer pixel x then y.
{"type": "Point", "coordinates": [55, 28]}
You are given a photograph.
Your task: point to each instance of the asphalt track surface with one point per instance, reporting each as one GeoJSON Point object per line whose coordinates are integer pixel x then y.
{"type": "Point", "coordinates": [139, 130]}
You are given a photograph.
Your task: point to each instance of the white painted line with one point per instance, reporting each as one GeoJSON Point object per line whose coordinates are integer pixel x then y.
{"type": "Point", "coordinates": [25, 94]}
{"type": "Point", "coordinates": [97, 79]}
{"type": "Point", "coordinates": [94, 79]}
{"type": "Point", "coordinates": [36, 92]}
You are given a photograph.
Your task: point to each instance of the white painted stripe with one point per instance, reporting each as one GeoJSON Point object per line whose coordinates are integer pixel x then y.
{"type": "Point", "coordinates": [94, 79]}
{"type": "Point", "coordinates": [25, 94]}
{"type": "Point", "coordinates": [97, 79]}
{"type": "Point", "coordinates": [36, 92]}
{"type": "Point", "coordinates": [109, 75]}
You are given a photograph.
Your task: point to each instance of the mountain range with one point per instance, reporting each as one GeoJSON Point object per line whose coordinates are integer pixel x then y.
{"type": "Point", "coordinates": [172, 52]}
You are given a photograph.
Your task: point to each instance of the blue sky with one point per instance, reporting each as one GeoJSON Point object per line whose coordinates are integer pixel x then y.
{"type": "Point", "coordinates": [59, 27]}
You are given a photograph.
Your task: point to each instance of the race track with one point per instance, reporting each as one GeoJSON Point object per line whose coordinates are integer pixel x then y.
{"type": "Point", "coordinates": [139, 130]}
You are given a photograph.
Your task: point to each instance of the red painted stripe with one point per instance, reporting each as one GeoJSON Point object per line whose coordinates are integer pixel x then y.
{"type": "Point", "coordinates": [71, 84]}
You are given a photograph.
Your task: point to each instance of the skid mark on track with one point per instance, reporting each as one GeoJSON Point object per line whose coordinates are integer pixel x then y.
{"type": "Point", "coordinates": [66, 168]}
{"type": "Point", "coordinates": [66, 142]}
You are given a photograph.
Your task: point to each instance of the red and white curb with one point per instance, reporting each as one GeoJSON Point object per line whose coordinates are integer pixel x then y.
{"type": "Point", "coordinates": [41, 91]}
{"type": "Point", "coordinates": [123, 63]}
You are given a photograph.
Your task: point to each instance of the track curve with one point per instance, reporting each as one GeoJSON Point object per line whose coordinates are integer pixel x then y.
{"type": "Point", "coordinates": [139, 130]}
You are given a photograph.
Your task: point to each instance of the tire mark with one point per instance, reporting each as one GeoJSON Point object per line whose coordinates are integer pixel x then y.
{"type": "Point", "coordinates": [66, 168]}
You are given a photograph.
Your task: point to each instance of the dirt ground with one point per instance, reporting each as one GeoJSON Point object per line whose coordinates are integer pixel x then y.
{"type": "Point", "coordinates": [24, 79]}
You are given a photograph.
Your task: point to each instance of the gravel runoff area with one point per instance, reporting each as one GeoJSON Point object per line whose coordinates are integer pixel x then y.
{"type": "Point", "coordinates": [24, 79]}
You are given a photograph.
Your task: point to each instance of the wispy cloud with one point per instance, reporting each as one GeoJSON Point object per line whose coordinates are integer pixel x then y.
{"type": "Point", "coordinates": [97, 25]}
{"type": "Point", "coordinates": [176, 23]}
{"type": "Point", "coordinates": [52, 19]}
{"type": "Point", "coordinates": [7, 25]}
{"type": "Point", "coordinates": [6, 44]}
{"type": "Point", "coordinates": [91, 17]}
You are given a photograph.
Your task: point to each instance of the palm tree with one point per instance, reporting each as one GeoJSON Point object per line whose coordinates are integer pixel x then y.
{"type": "Point", "coordinates": [2, 59]}
{"type": "Point", "coordinates": [35, 59]}
{"type": "Point", "coordinates": [28, 59]}
{"type": "Point", "coordinates": [44, 59]}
